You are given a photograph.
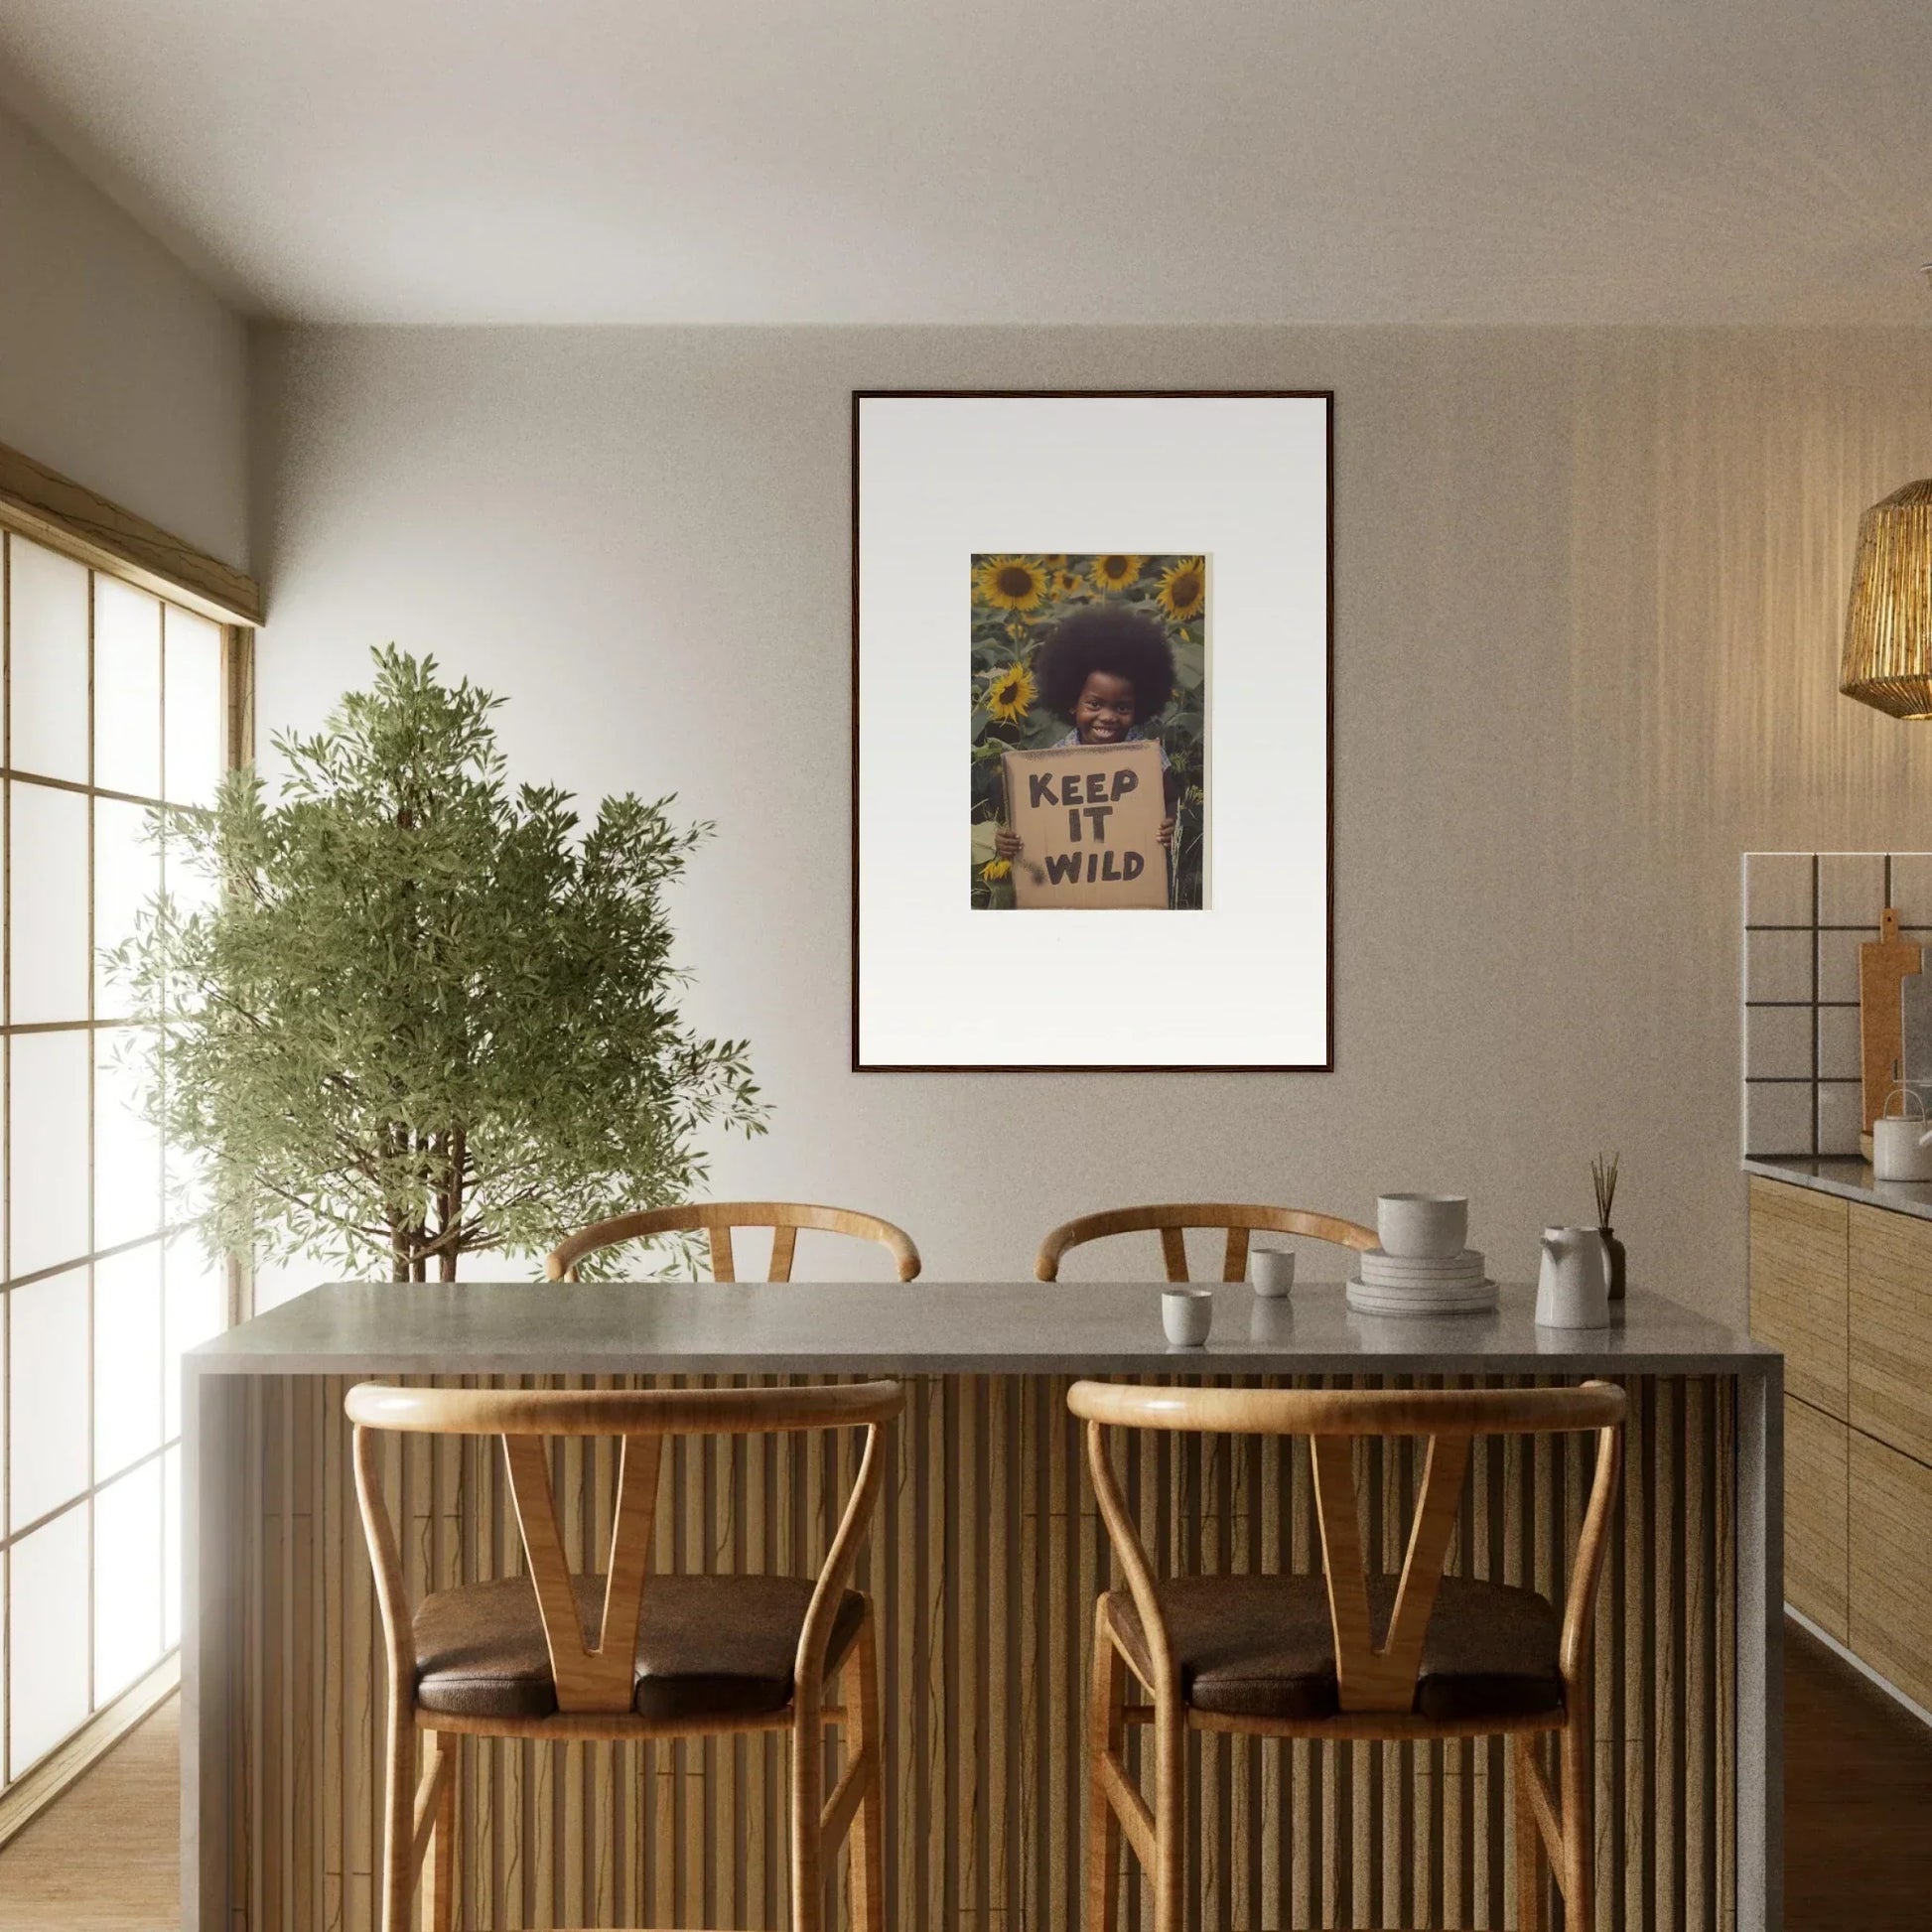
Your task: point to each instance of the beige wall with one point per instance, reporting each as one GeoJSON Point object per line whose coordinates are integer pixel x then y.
{"type": "Point", "coordinates": [1588, 585]}
{"type": "Point", "coordinates": [117, 366]}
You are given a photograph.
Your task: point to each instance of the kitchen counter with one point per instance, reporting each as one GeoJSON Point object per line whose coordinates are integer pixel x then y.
{"type": "Point", "coordinates": [1849, 1178]}
{"type": "Point", "coordinates": [985, 1558]}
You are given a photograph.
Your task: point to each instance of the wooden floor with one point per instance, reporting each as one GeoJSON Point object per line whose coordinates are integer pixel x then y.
{"type": "Point", "coordinates": [1858, 1803]}
{"type": "Point", "coordinates": [1857, 1820]}
{"type": "Point", "coordinates": [105, 1858]}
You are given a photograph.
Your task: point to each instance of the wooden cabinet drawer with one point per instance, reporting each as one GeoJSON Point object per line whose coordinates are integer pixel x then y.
{"type": "Point", "coordinates": [1891, 1329]}
{"type": "Point", "coordinates": [1891, 1566]}
{"type": "Point", "coordinates": [1816, 1560]}
{"type": "Point", "coordinates": [1798, 1271]}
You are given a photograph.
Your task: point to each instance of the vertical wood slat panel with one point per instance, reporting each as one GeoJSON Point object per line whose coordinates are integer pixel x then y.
{"type": "Point", "coordinates": [986, 1605]}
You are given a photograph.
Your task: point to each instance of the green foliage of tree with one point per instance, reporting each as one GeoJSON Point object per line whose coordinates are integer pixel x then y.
{"type": "Point", "coordinates": [425, 1015]}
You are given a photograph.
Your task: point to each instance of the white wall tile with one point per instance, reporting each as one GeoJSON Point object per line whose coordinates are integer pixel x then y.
{"type": "Point", "coordinates": [1838, 1043]}
{"type": "Point", "coordinates": [1777, 1118]}
{"type": "Point", "coordinates": [1911, 887]}
{"type": "Point", "coordinates": [1777, 1043]}
{"type": "Point", "coordinates": [1838, 962]}
{"type": "Point", "coordinates": [1777, 889]}
{"type": "Point", "coordinates": [1777, 966]}
{"type": "Point", "coordinates": [1841, 1116]}
{"type": "Point", "coordinates": [1850, 887]}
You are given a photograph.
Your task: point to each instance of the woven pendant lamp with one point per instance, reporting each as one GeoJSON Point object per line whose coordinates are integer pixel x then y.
{"type": "Point", "coordinates": [1888, 658]}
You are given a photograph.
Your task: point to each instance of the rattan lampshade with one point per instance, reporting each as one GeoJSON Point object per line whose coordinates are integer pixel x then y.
{"type": "Point", "coordinates": [1888, 630]}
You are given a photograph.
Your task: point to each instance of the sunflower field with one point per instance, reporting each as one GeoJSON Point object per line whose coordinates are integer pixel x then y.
{"type": "Point", "coordinates": [1016, 603]}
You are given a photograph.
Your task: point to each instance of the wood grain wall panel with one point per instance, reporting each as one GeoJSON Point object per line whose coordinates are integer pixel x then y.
{"type": "Point", "coordinates": [985, 1558]}
{"type": "Point", "coordinates": [1799, 1288]}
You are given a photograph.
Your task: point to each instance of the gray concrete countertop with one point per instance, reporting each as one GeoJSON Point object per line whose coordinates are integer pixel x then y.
{"type": "Point", "coordinates": [931, 1329]}
{"type": "Point", "coordinates": [1851, 1179]}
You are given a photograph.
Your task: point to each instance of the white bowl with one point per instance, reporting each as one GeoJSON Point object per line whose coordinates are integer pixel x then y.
{"type": "Point", "coordinates": [1422, 1226]}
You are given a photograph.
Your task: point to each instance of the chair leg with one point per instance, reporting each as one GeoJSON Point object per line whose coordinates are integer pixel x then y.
{"type": "Point", "coordinates": [1106, 1732]}
{"type": "Point", "coordinates": [1574, 1747]}
{"type": "Point", "coordinates": [1528, 1841]}
{"type": "Point", "coordinates": [439, 1871]}
{"type": "Point", "coordinates": [399, 1819]}
{"type": "Point", "coordinates": [1169, 1809]}
{"type": "Point", "coordinates": [861, 1692]}
{"type": "Point", "coordinates": [807, 1802]}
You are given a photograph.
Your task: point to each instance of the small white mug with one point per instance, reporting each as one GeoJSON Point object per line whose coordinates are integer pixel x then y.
{"type": "Point", "coordinates": [1272, 1270]}
{"type": "Point", "coordinates": [1187, 1314]}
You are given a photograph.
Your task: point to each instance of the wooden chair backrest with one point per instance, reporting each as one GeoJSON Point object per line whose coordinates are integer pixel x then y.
{"type": "Point", "coordinates": [717, 1218]}
{"type": "Point", "coordinates": [1174, 1219]}
{"type": "Point", "coordinates": [1373, 1674]}
{"type": "Point", "coordinates": [593, 1669]}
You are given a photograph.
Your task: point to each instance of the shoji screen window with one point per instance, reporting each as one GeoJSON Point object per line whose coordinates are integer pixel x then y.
{"type": "Point", "coordinates": [114, 701]}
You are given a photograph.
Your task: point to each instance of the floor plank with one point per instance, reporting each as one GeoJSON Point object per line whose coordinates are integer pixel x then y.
{"type": "Point", "coordinates": [106, 1855]}
{"type": "Point", "coordinates": [1858, 1850]}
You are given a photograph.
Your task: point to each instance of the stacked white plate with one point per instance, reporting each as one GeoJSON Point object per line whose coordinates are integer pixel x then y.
{"type": "Point", "coordinates": [1389, 1284]}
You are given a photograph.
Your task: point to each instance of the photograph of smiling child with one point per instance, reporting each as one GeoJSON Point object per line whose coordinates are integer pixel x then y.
{"type": "Point", "coordinates": [1075, 653]}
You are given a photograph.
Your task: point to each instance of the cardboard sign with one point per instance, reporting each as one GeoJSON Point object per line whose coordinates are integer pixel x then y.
{"type": "Point", "coordinates": [1088, 818]}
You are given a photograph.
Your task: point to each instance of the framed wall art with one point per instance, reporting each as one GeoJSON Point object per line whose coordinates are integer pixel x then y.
{"type": "Point", "coordinates": [1092, 820]}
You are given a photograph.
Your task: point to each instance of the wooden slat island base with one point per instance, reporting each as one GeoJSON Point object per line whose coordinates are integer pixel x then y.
{"type": "Point", "coordinates": [985, 1559]}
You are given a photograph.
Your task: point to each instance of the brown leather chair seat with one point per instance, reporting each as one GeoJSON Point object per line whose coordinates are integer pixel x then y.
{"type": "Point", "coordinates": [1263, 1648]}
{"type": "Point", "coordinates": [707, 1646]}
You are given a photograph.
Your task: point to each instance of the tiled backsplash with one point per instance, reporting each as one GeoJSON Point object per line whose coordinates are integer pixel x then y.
{"type": "Point", "coordinates": [1806, 914]}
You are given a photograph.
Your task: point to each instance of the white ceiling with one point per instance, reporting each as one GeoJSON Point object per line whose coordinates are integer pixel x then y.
{"type": "Point", "coordinates": [1010, 161]}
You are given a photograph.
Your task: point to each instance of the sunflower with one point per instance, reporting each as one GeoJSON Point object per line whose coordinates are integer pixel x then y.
{"type": "Point", "coordinates": [1183, 587]}
{"type": "Point", "coordinates": [996, 870]}
{"type": "Point", "coordinates": [1115, 573]}
{"type": "Point", "coordinates": [1011, 694]}
{"type": "Point", "coordinates": [1010, 582]}
{"type": "Point", "coordinates": [1066, 583]}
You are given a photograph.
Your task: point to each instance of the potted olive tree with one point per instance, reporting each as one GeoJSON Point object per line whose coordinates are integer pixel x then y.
{"type": "Point", "coordinates": [417, 1013]}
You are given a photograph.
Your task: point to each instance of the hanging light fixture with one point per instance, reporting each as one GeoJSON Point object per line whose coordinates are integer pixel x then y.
{"type": "Point", "coordinates": [1888, 658]}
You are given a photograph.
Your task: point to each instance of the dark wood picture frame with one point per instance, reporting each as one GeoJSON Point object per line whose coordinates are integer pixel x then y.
{"type": "Point", "coordinates": [1326, 398]}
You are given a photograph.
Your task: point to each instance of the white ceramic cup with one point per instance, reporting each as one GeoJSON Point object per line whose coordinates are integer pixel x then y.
{"type": "Point", "coordinates": [1272, 1270]}
{"type": "Point", "coordinates": [1420, 1227]}
{"type": "Point", "coordinates": [1187, 1314]}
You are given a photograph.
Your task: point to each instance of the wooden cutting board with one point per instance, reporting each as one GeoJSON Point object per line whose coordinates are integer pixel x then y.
{"type": "Point", "coordinates": [1883, 964]}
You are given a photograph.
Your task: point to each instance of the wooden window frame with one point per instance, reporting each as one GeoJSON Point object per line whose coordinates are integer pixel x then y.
{"type": "Point", "coordinates": [49, 510]}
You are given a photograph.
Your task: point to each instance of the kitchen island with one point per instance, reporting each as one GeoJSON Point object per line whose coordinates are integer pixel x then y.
{"type": "Point", "coordinates": [985, 1557]}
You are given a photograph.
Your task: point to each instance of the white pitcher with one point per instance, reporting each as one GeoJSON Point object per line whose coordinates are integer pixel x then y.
{"type": "Point", "coordinates": [1573, 1289]}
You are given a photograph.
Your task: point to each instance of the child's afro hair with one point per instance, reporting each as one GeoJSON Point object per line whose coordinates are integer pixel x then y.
{"type": "Point", "coordinates": [1106, 638]}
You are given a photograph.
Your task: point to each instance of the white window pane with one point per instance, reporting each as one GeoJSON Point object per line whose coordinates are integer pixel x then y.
{"type": "Point", "coordinates": [127, 688]}
{"type": "Point", "coordinates": [127, 1579]}
{"type": "Point", "coordinates": [197, 1309]}
{"type": "Point", "coordinates": [193, 767]}
{"type": "Point", "coordinates": [46, 1660]}
{"type": "Point", "coordinates": [48, 1187]}
{"type": "Point", "coordinates": [49, 671]}
{"type": "Point", "coordinates": [171, 1504]}
{"type": "Point", "coordinates": [127, 1151]}
{"type": "Point", "coordinates": [127, 879]}
{"type": "Point", "coordinates": [47, 891]}
{"type": "Point", "coordinates": [192, 888]}
{"type": "Point", "coordinates": [127, 1358]}
{"type": "Point", "coordinates": [48, 1414]}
